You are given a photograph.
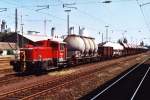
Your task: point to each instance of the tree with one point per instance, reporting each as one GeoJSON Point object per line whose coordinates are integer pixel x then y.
{"type": "Point", "coordinates": [119, 41]}
{"type": "Point", "coordinates": [125, 40]}
{"type": "Point", "coordinates": [142, 43]}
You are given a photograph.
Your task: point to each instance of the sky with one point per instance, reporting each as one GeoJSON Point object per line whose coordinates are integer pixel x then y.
{"type": "Point", "coordinates": [124, 17]}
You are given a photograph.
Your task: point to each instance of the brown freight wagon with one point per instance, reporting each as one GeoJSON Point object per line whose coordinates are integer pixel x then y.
{"type": "Point", "coordinates": [105, 52]}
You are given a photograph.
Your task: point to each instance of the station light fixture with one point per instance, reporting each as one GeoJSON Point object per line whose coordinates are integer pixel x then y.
{"type": "Point", "coordinates": [106, 1]}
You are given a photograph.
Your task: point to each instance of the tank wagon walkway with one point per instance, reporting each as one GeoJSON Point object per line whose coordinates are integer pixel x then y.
{"type": "Point", "coordinates": [130, 85]}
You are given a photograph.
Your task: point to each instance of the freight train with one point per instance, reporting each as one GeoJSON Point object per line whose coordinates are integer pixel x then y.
{"type": "Point", "coordinates": [73, 50]}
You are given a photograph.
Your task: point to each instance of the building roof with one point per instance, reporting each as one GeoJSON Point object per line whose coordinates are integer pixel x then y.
{"type": "Point", "coordinates": [7, 45]}
{"type": "Point", "coordinates": [37, 37]}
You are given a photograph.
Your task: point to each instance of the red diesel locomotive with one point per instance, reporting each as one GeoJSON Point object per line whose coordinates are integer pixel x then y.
{"type": "Point", "coordinates": [43, 55]}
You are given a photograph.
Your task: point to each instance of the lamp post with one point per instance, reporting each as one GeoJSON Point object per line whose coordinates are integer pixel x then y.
{"type": "Point", "coordinates": [45, 26]}
{"type": "Point", "coordinates": [68, 11]}
{"type": "Point", "coordinates": [106, 1]}
{"type": "Point", "coordinates": [22, 41]}
{"type": "Point", "coordinates": [70, 6]}
{"type": "Point", "coordinates": [16, 31]}
{"type": "Point", "coordinates": [42, 7]}
{"type": "Point", "coordinates": [102, 36]}
{"type": "Point", "coordinates": [106, 33]}
{"type": "Point", "coordinates": [123, 34]}
{"type": "Point", "coordinates": [22, 29]}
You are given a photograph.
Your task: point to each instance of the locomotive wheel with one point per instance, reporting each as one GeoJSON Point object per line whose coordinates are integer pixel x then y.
{"type": "Point", "coordinates": [37, 68]}
{"type": "Point", "coordinates": [16, 67]}
{"type": "Point", "coordinates": [29, 69]}
{"type": "Point", "coordinates": [45, 65]}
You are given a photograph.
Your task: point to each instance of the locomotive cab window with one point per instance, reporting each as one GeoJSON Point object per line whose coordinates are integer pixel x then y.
{"type": "Point", "coordinates": [62, 46]}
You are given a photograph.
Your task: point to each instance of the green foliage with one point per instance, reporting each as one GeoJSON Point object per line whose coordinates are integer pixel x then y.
{"type": "Point", "coordinates": [119, 41]}
{"type": "Point", "coordinates": [10, 52]}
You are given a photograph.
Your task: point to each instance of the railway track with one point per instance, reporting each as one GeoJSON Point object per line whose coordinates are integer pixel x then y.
{"type": "Point", "coordinates": [39, 89]}
{"type": "Point", "coordinates": [13, 78]}
{"type": "Point", "coordinates": [131, 85]}
{"type": "Point", "coordinates": [42, 86]}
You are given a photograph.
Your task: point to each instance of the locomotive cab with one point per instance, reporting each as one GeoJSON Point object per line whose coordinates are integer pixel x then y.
{"type": "Point", "coordinates": [59, 53]}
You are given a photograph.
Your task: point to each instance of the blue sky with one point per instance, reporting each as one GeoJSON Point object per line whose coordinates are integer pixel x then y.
{"type": "Point", "coordinates": [123, 17]}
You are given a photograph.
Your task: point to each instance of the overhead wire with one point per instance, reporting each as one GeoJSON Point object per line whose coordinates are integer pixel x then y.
{"type": "Point", "coordinates": [97, 2]}
{"type": "Point", "coordinates": [144, 17]}
{"type": "Point", "coordinates": [63, 19]}
{"type": "Point", "coordinates": [92, 17]}
{"type": "Point", "coordinates": [87, 14]}
{"type": "Point", "coordinates": [9, 3]}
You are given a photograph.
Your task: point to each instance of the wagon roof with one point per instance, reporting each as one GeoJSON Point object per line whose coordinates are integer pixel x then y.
{"type": "Point", "coordinates": [116, 46]}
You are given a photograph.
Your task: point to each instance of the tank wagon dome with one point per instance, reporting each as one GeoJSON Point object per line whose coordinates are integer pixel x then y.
{"type": "Point", "coordinates": [75, 42]}
{"type": "Point", "coordinates": [116, 46]}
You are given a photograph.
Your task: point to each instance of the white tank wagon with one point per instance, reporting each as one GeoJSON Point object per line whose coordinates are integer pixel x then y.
{"type": "Point", "coordinates": [90, 46]}
{"type": "Point", "coordinates": [75, 45]}
{"type": "Point", "coordinates": [80, 45]}
{"type": "Point", "coordinates": [87, 46]}
{"type": "Point", "coordinates": [95, 46]}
